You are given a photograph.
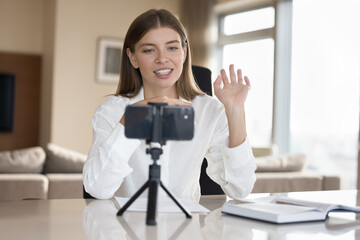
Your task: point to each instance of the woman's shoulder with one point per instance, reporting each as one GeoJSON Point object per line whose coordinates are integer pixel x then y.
{"type": "Point", "coordinates": [113, 101]}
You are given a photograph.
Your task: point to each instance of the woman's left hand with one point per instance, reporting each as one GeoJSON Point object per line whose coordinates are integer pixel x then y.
{"type": "Point", "coordinates": [234, 92]}
{"type": "Point", "coordinates": [233, 95]}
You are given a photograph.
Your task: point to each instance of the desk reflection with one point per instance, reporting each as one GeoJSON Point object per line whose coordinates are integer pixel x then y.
{"type": "Point", "coordinates": [100, 222]}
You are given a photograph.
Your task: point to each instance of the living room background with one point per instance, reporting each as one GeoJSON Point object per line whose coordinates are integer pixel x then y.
{"type": "Point", "coordinates": [65, 34]}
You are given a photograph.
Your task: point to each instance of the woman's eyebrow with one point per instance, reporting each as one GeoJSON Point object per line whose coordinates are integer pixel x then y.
{"type": "Point", "coordinates": [173, 41]}
{"type": "Point", "coordinates": [147, 44]}
{"type": "Point", "coordinates": [152, 44]}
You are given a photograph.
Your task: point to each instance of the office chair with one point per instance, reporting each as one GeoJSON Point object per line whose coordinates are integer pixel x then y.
{"type": "Point", "coordinates": [208, 187]}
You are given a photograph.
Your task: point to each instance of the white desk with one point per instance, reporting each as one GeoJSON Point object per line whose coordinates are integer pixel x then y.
{"type": "Point", "coordinates": [96, 219]}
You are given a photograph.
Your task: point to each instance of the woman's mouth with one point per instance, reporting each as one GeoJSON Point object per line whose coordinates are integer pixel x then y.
{"type": "Point", "coordinates": [163, 72]}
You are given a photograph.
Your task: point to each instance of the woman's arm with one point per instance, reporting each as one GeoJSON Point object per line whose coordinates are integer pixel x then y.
{"type": "Point", "coordinates": [233, 95]}
{"type": "Point", "coordinates": [232, 168]}
{"type": "Point", "coordinates": [107, 162]}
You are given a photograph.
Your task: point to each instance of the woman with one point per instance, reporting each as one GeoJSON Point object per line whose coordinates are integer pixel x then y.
{"type": "Point", "coordinates": [156, 67]}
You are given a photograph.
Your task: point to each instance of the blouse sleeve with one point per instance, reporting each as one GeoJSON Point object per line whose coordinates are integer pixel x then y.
{"type": "Point", "coordinates": [107, 162]}
{"type": "Point", "coordinates": [232, 168]}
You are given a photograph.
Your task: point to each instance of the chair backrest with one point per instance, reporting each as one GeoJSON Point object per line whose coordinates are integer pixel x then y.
{"type": "Point", "coordinates": [86, 194]}
{"type": "Point", "coordinates": [203, 79]}
{"type": "Point", "coordinates": [208, 187]}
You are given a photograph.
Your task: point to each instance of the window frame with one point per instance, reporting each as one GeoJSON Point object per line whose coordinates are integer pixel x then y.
{"type": "Point", "coordinates": [281, 33]}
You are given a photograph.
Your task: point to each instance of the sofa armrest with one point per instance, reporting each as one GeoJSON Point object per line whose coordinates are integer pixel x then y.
{"type": "Point", "coordinates": [274, 182]}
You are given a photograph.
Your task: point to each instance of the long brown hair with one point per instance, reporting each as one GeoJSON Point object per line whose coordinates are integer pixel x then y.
{"type": "Point", "coordinates": [130, 78]}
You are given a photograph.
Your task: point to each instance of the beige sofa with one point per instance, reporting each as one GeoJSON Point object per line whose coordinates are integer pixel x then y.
{"type": "Point", "coordinates": [288, 173]}
{"type": "Point", "coordinates": [37, 173]}
{"type": "Point", "coordinates": [55, 172]}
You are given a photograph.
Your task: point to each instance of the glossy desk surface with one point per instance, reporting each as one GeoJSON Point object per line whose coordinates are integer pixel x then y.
{"type": "Point", "coordinates": [96, 219]}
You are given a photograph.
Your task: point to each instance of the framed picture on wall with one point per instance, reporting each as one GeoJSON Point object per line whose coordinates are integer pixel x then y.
{"type": "Point", "coordinates": [108, 59]}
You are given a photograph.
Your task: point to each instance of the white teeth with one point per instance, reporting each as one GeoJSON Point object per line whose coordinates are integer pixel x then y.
{"type": "Point", "coordinates": [163, 71]}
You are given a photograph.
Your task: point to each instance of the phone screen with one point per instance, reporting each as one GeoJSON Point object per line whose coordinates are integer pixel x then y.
{"type": "Point", "coordinates": [138, 121]}
{"type": "Point", "coordinates": [177, 122]}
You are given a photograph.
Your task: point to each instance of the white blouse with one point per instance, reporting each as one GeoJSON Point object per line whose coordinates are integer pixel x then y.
{"type": "Point", "coordinates": [119, 166]}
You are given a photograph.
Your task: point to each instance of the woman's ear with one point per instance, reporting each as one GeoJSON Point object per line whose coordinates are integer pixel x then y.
{"type": "Point", "coordinates": [185, 53]}
{"type": "Point", "coordinates": [132, 58]}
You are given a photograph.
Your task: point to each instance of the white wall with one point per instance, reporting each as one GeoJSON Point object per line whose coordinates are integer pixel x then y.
{"type": "Point", "coordinates": [76, 94]}
{"type": "Point", "coordinates": [21, 26]}
{"type": "Point", "coordinates": [65, 33]}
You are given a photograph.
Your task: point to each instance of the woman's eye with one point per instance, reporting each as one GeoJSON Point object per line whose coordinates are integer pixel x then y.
{"type": "Point", "coordinates": [173, 48]}
{"type": "Point", "coordinates": [148, 50]}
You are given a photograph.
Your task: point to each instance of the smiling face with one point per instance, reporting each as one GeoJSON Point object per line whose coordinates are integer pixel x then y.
{"type": "Point", "coordinates": [159, 55]}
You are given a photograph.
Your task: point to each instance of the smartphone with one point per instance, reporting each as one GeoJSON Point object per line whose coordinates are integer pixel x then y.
{"type": "Point", "coordinates": [177, 122]}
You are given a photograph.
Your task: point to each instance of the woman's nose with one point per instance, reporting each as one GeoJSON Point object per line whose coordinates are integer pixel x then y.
{"type": "Point", "coordinates": [161, 57]}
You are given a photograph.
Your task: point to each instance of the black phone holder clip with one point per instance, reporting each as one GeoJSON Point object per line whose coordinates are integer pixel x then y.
{"type": "Point", "coordinates": [154, 171]}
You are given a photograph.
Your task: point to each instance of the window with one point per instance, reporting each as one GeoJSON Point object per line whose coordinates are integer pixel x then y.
{"type": "Point", "coordinates": [249, 21]}
{"type": "Point", "coordinates": [315, 109]}
{"type": "Point", "coordinates": [247, 40]}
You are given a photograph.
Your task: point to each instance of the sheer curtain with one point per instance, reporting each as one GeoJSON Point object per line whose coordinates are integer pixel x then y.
{"type": "Point", "coordinates": [325, 85]}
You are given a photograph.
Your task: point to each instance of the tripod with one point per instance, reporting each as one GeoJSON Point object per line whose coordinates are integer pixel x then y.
{"type": "Point", "coordinates": [152, 184]}
{"type": "Point", "coordinates": [154, 175]}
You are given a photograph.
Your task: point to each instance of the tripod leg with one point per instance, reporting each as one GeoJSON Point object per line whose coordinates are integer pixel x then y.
{"type": "Point", "coordinates": [152, 202]}
{"type": "Point", "coordinates": [187, 214]}
{"type": "Point", "coordinates": [132, 199]}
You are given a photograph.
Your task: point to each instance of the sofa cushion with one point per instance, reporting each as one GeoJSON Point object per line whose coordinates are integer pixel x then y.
{"type": "Point", "coordinates": [281, 163]}
{"type": "Point", "coordinates": [27, 160]}
{"type": "Point", "coordinates": [62, 160]}
{"type": "Point", "coordinates": [65, 186]}
{"type": "Point", "coordinates": [23, 186]}
{"type": "Point", "coordinates": [263, 151]}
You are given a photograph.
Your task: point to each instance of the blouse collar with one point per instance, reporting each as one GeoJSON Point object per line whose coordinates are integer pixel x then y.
{"type": "Point", "coordinates": [140, 96]}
